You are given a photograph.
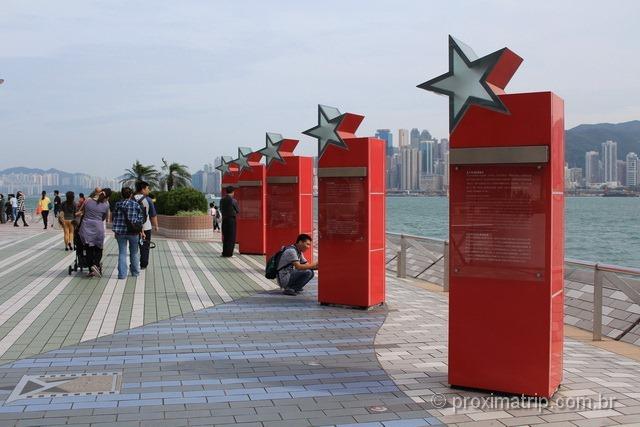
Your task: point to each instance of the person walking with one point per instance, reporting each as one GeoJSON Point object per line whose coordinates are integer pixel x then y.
{"type": "Point", "coordinates": [66, 218]}
{"type": "Point", "coordinates": [150, 220]}
{"type": "Point", "coordinates": [3, 214]}
{"type": "Point", "coordinates": [14, 206]}
{"type": "Point", "coordinates": [43, 207]}
{"type": "Point", "coordinates": [229, 209]}
{"type": "Point", "coordinates": [20, 209]}
{"type": "Point", "coordinates": [215, 215]}
{"type": "Point", "coordinates": [127, 227]}
{"type": "Point", "coordinates": [91, 231]}
{"type": "Point", "coordinates": [57, 203]}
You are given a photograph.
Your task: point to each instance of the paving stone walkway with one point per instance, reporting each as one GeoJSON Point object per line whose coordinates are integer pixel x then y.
{"type": "Point", "coordinates": [209, 341]}
{"type": "Point", "coordinates": [43, 308]}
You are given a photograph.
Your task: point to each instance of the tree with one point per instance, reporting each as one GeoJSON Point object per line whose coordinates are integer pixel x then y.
{"type": "Point", "coordinates": [174, 175]}
{"type": "Point", "coordinates": [140, 172]}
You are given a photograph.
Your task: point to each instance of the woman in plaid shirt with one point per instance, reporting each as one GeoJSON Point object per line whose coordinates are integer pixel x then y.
{"type": "Point", "coordinates": [124, 234]}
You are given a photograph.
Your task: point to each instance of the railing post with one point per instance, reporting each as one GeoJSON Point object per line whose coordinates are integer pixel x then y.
{"type": "Point", "coordinates": [402, 258]}
{"type": "Point", "coordinates": [445, 254]}
{"type": "Point", "coordinates": [597, 303]}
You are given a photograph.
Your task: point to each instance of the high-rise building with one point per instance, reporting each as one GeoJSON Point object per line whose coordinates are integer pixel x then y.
{"type": "Point", "coordinates": [415, 138]}
{"type": "Point", "coordinates": [445, 176]}
{"type": "Point", "coordinates": [387, 136]}
{"type": "Point", "coordinates": [410, 159]}
{"type": "Point", "coordinates": [591, 168]}
{"type": "Point", "coordinates": [403, 138]}
{"type": "Point", "coordinates": [609, 161]}
{"type": "Point", "coordinates": [633, 174]}
{"type": "Point", "coordinates": [425, 135]}
{"type": "Point", "coordinates": [621, 165]}
{"type": "Point", "coordinates": [428, 149]}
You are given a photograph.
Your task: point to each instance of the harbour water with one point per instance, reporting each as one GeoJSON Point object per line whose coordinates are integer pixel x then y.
{"type": "Point", "coordinates": [599, 229]}
{"type": "Point", "coordinates": [602, 229]}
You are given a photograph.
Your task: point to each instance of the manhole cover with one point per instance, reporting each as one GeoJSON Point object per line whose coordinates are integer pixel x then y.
{"type": "Point", "coordinates": [32, 386]}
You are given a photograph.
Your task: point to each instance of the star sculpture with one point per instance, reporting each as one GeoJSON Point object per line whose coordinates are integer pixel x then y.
{"type": "Point", "coordinates": [329, 119]}
{"type": "Point", "coordinates": [466, 81]}
{"type": "Point", "coordinates": [224, 165]}
{"type": "Point", "coordinates": [242, 161]}
{"type": "Point", "coordinates": [271, 151]}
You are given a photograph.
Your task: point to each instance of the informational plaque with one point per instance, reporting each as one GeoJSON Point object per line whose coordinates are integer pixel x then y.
{"type": "Point", "coordinates": [343, 213]}
{"type": "Point", "coordinates": [251, 207]}
{"type": "Point", "coordinates": [498, 222]}
{"type": "Point", "coordinates": [283, 211]}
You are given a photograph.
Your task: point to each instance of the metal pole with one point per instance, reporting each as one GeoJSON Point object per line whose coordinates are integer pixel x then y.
{"type": "Point", "coordinates": [597, 303]}
{"type": "Point", "coordinates": [445, 280]}
{"type": "Point", "coordinates": [402, 272]}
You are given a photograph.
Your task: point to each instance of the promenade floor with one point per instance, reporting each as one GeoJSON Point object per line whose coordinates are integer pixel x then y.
{"type": "Point", "coordinates": [202, 340]}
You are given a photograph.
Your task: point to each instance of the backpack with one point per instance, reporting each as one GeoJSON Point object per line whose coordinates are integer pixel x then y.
{"type": "Point", "coordinates": [271, 270]}
{"type": "Point", "coordinates": [132, 227]}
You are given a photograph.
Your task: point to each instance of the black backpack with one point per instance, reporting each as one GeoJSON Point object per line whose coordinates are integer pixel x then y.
{"type": "Point", "coordinates": [133, 227]}
{"type": "Point", "coordinates": [271, 270]}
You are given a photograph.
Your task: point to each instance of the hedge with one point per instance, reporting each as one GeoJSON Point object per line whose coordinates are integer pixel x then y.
{"type": "Point", "coordinates": [180, 199]}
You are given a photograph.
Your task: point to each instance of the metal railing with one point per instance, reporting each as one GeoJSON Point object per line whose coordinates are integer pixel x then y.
{"type": "Point", "coordinates": [623, 279]}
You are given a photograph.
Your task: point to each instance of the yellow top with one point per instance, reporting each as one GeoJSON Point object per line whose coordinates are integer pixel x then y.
{"type": "Point", "coordinates": [44, 203]}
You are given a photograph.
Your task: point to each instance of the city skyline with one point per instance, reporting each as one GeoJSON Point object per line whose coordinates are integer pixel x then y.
{"type": "Point", "coordinates": [189, 81]}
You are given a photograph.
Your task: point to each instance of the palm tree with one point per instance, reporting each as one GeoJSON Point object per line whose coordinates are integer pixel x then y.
{"type": "Point", "coordinates": [140, 172]}
{"type": "Point", "coordinates": [174, 175]}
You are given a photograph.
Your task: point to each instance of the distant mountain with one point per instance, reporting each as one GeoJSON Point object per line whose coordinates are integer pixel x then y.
{"type": "Point", "coordinates": [21, 169]}
{"type": "Point", "coordinates": [585, 138]}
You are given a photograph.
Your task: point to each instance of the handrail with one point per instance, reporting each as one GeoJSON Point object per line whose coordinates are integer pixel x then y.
{"type": "Point", "coordinates": [599, 270]}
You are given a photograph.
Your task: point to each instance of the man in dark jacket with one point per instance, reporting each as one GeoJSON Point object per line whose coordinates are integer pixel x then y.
{"type": "Point", "coordinates": [228, 209]}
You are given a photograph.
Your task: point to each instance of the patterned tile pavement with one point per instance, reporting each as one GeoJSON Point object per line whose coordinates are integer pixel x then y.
{"type": "Point", "coordinates": [210, 342]}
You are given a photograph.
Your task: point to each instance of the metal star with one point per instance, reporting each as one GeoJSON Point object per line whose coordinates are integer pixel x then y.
{"type": "Point", "coordinates": [224, 165]}
{"type": "Point", "coordinates": [271, 151]}
{"type": "Point", "coordinates": [466, 82]}
{"type": "Point", "coordinates": [242, 161]}
{"type": "Point", "coordinates": [329, 119]}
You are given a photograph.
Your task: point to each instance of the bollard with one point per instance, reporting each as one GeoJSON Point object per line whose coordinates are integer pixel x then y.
{"type": "Point", "coordinates": [597, 303]}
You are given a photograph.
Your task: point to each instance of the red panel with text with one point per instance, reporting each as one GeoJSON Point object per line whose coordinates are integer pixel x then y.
{"type": "Point", "coordinates": [351, 221]}
{"type": "Point", "coordinates": [506, 251]}
{"type": "Point", "coordinates": [289, 199]}
{"type": "Point", "coordinates": [251, 220]}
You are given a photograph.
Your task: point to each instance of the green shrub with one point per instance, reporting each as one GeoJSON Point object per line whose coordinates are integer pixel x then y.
{"type": "Point", "coordinates": [190, 213]}
{"type": "Point", "coordinates": [180, 199]}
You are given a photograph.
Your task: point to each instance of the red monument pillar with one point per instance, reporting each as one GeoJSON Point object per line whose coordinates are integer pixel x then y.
{"type": "Point", "coordinates": [506, 229]}
{"type": "Point", "coordinates": [289, 194]}
{"type": "Point", "coordinates": [251, 220]}
{"type": "Point", "coordinates": [351, 212]}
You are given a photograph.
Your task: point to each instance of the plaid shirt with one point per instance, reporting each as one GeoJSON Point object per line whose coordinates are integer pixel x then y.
{"type": "Point", "coordinates": [134, 213]}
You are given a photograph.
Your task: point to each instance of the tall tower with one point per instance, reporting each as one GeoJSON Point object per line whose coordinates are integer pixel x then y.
{"type": "Point", "coordinates": [632, 169]}
{"type": "Point", "coordinates": [415, 137]}
{"type": "Point", "coordinates": [591, 168]}
{"type": "Point", "coordinates": [403, 138]}
{"type": "Point", "coordinates": [387, 136]}
{"type": "Point", "coordinates": [609, 161]}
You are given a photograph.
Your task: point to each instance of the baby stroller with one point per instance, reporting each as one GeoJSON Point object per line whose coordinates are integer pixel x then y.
{"type": "Point", "coordinates": [81, 251]}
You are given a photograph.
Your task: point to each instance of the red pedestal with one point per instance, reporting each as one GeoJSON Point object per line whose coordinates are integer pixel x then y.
{"type": "Point", "coordinates": [251, 220]}
{"type": "Point", "coordinates": [289, 200]}
{"type": "Point", "coordinates": [351, 223]}
{"type": "Point", "coordinates": [507, 247]}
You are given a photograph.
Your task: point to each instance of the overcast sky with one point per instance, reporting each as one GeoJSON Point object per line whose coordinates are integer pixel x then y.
{"type": "Point", "coordinates": [92, 86]}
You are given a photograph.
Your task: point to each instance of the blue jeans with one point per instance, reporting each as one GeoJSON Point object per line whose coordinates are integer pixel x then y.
{"type": "Point", "coordinates": [134, 254]}
{"type": "Point", "coordinates": [299, 278]}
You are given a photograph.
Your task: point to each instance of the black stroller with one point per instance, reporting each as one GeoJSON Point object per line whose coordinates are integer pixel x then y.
{"type": "Point", "coordinates": [81, 261]}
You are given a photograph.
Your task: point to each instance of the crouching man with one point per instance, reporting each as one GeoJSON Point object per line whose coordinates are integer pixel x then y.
{"type": "Point", "coordinates": [294, 272]}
